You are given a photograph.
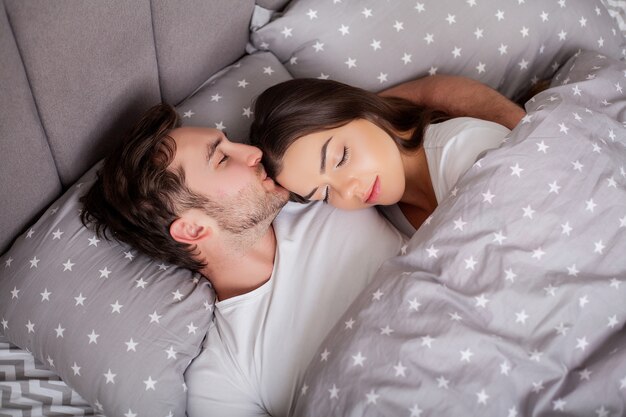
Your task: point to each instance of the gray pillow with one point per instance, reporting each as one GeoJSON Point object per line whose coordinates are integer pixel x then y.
{"type": "Point", "coordinates": [117, 326]}
{"type": "Point", "coordinates": [225, 101]}
{"type": "Point", "coordinates": [375, 45]}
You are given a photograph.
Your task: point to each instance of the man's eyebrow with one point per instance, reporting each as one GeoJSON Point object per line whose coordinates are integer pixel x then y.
{"type": "Point", "coordinates": [323, 155]}
{"type": "Point", "coordinates": [211, 148]}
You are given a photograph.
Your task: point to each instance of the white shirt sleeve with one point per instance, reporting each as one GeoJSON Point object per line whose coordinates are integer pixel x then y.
{"type": "Point", "coordinates": [452, 147]}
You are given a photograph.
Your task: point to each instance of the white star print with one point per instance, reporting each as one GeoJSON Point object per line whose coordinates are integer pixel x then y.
{"type": "Point", "coordinates": [466, 355]}
{"type": "Point", "coordinates": [442, 382]}
{"type": "Point", "coordinates": [76, 369]}
{"type": "Point", "coordinates": [154, 317]}
{"type": "Point", "coordinates": [116, 308]}
{"type": "Point", "coordinates": [110, 377]}
{"type": "Point", "coordinates": [414, 305]}
{"type": "Point", "coordinates": [67, 266]}
{"type": "Point", "coordinates": [456, 52]}
{"type": "Point", "coordinates": [324, 355]}
{"type": "Point", "coordinates": [581, 343]}
{"type": "Point", "coordinates": [451, 19]}
{"type": "Point", "coordinates": [516, 170]}
{"type": "Point", "coordinates": [286, 32]}
{"type": "Point", "coordinates": [432, 252]}
{"type": "Point", "coordinates": [510, 275]}
{"type": "Point", "coordinates": [499, 237]}
{"type": "Point", "coordinates": [429, 38]}
{"type": "Point", "coordinates": [612, 321]}
{"type": "Point", "coordinates": [171, 353]}
{"type": "Point", "coordinates": [528, 211]}
{"type": "Point", "coordinates": [503, 49]}
{"type": "Point", "coordinates": [45, 295]}
{"type": "Point", "coordinates": [242, 83]}
{"type": "Point", "coordinates": [318, 46]}
{"type": "Point", "coordinates": [521, 317]}
{"type": "Point", "coordinates": [427, 341]}
{"type": "Point", "coordinates": [93, 337]}
{"type": "Point", "coordinates": [57, 234]}
{"type": "Point", "coordinates": [559, 405]}
{"type": "Point", "coordinates": [590, 205]}
{"type": "Point", "coordinates": [376, 45]}
{"type": "Point", "coordinates": [34, 262]}
{"type": "Point", "coordinates": [191, 328]}
{"type": "Point", "coordinates": [416, 411]}
{"type": "Point", "coordinates": [481, 301]}
{"type": "Point", "coordinates": [80, 299]}
{"type": "Point", "coordinates": [482, 397]}
{"type": "Point", "coordinates": [542, 147]}
{"type": "Point", "coordinates": [188, 114]}
{"type": "Point", "coordinates": [351, 63]}
{"type": "Point", "coordinates": [406, 58]}
{"type": "Point", "coordinates": [470, 263]}
{"type": "Point", "coordinates": [400, 369]}
{"type": "Point", "coordinates": [459, 224]}
{"type": "Point", "coordinates": [59, 331]}
{"type": "Point", "coordinates": [500, 15]}
{"type": "Point", "coordinates": [488, 197]}
{"type": "Point", "coordinates": [367, 13]}
{"type": "Point", "coordinates": [150, 383]}
{"type": "Point", "coordinates": [505, 368]}
{"type": "Point", "coordinates": [334, 392]}
{"type": "Point", "coordinates": [350, 323]}
{"type": "Point", "coordinates": [554, 187]}
{"type": "Point", "coordinates": [30, 326]}
{"type": "Point", "coordinates": [583, 301]}
{"type": "Point", "coordinates": [372, 397]}
{"type": "Point", "coordinates": [377, 295]}
{"type": "Point", "coordinates": [538, 253]}
{"type": "Point", "coordinates": [131, 345]}
{"type": "Point", "coordinates": [345, 30]}
{"type": "Point", "coordinates": [130, 413]}
{"type": "Point", "coordinates": [312, 14]}
{"type": "Point", "coordinates": [398, 26]}
{"type": "Point", "coordinates": [104, 273]}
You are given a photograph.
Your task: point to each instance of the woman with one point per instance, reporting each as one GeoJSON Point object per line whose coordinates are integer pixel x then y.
{"type": "Point", "coordinates": [327, 141]}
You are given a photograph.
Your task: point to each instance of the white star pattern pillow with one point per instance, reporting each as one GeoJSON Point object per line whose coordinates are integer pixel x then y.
{"type": "Point", "coordinates": [375, 45]}
{"type": "Point", "coordinates": [117, 326]}
{"type": "Point", "coordinates": [225, 101]}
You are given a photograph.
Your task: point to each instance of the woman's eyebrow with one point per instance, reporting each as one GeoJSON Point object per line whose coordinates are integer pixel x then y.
{"type": "Point", "coordinates": [323, 156]}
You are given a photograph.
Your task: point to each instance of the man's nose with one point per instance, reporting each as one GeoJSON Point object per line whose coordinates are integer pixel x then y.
{"type": "Point", "coordinates": [251, 155]}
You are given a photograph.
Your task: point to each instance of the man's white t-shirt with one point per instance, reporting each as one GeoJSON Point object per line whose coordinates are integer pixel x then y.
{"type": "Point", "coordinates": [451, 148]}
{"type": "Point", "coordinates": [260, 343]}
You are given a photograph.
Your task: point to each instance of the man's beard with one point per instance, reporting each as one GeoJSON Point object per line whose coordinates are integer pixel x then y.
{"type": "Point", "coordinates": [247, 216]}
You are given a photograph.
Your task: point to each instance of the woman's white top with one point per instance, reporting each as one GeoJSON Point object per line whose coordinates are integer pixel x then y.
{"type": "Point", "coordinates": [451, 147]}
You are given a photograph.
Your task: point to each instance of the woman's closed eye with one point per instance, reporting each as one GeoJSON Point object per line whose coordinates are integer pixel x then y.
{"type": "Point", "coordinates": [344, 157]}
{"type": "Point", "coordinates": [223, 159]}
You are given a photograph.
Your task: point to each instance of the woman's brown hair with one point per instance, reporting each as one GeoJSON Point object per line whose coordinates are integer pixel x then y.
{"type": "Point", "coordinates": [292, 109]}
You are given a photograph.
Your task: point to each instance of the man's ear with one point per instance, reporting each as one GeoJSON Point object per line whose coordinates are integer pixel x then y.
{"type": "Point", "coordinates": [188, 229]}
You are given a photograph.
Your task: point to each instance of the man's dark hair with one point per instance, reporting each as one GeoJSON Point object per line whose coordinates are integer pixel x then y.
{"type": "Point", "coordinates": [135, 197]}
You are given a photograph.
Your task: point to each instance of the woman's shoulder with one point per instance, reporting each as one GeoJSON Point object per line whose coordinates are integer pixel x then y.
{"type": "Point", "coordinates": [461, 128]}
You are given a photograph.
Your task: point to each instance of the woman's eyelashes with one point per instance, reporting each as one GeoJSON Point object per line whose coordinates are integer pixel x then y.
{"type": "Point", "coordinates": [344, 157]}
{"type": "Point", "coordinates": [326, 194]}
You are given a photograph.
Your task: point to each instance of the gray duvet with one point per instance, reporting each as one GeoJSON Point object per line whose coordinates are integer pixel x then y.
{"type": "Point", "coordinates": [511, 299]}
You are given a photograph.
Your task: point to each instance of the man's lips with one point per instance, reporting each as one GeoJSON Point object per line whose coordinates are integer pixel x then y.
{"type": "Point", "coordinates": [374, 192]}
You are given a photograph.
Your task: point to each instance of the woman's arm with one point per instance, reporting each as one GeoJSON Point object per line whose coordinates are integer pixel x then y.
{"type": "Point", "coordinates": [460, 96]}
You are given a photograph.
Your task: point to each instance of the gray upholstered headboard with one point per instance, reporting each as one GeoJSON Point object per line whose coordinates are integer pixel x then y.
{"type": "Point", "coordinates": [74, 74]}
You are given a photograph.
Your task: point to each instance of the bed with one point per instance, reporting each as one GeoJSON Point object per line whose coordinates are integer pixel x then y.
{"type": "Point", "coordinates": [499, 306]}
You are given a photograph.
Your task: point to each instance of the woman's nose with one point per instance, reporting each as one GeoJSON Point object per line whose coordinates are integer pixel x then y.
{"type": "Point", "coordinates": [347, 188]}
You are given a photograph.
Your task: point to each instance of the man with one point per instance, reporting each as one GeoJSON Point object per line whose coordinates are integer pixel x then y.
{"type": "Point", "coordinates": [191, 197]}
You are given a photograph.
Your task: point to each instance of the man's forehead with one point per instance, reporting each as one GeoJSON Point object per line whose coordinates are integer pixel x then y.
{"type": "Point", "coordinates": [195, 133]}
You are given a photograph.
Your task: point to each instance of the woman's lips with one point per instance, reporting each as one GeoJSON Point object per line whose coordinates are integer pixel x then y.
{"type": "Point", "coordinates": [374, 192]}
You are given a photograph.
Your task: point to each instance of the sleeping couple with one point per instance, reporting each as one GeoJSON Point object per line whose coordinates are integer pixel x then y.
{"type": "Point", "coordinates": [283, 278]}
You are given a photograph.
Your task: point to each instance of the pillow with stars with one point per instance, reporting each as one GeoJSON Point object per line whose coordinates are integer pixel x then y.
{"type": "Point", "coordinates": [115, 325]}
{"type": "Point", "coordinates": [225, 101]}
{"type": "Point", "coordinates": [376, 45]}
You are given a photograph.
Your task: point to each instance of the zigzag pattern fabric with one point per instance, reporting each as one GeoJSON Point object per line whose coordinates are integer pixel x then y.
{"type": "Point", "coordinates": [29, 389]}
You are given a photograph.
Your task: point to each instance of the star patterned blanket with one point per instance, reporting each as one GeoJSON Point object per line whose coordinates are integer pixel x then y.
{"type": "Point", "coordinates": [511, 299]}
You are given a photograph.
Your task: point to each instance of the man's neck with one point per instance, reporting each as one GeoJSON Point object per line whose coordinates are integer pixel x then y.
{"type": "Point", "coordinates": [234, 273]}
